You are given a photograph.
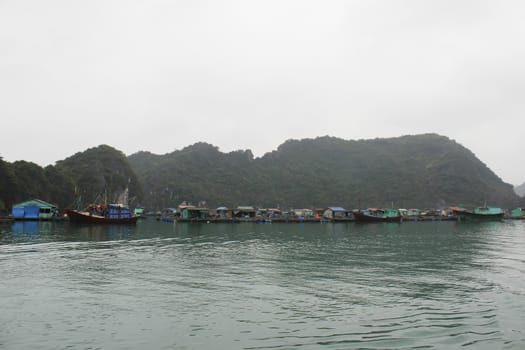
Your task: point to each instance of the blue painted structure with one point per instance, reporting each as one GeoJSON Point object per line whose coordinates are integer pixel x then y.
{"type": "Point", "coordinates": [34, 209]}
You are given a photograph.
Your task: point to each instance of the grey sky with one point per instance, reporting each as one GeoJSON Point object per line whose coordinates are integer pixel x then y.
{"type": "Point", "coordinates": [160, 75]}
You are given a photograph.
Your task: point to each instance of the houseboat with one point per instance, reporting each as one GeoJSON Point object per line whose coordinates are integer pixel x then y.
{"type": "Point", "coordinates": [35, 209]}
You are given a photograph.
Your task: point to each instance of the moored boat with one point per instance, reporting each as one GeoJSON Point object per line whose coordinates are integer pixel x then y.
{"type": "Point", "coordinates": [101, 214]}
{"type": "Point", "coordinates": [377, 215]}
{"type": "Point", "coordinates": [480, 213]}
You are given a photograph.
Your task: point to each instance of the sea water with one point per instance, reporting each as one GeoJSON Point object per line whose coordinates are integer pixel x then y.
{"type": "Point", "coordinates": [155, 285]}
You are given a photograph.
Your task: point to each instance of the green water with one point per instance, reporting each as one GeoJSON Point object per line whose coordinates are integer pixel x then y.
{"type": "Point", "coordinates": [427, 285]}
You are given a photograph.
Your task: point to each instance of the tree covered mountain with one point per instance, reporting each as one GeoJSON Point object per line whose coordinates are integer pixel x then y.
{"type": "Point", "coordinates": [100, 174]}
{"type": "Point", "coordinates": [410, 171]}
{"type": "Point", "coordinates": [424, 171]}
{"type": "Point", "coordinates": [21, 180]}
{"type": "Point", "coordinates": [87, 176]}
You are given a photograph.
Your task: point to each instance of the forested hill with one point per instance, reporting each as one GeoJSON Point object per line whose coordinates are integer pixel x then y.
{"type": "Point", "coordinates": [423, 171]}
{"type": "Point", "coordinates": [410, 171]}
{"type": "Point", "coordinates": [100, 174]}
{"type": "Point", "coordinates": [96, 174]}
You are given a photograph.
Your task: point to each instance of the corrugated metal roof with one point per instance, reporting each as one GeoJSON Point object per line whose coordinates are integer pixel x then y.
{"type": "Point", "coordinates": [245, 208]}
{"type": "Point", "coordinates": [34, 202]}
{"type": "Point", "coordinates": [337, 209]}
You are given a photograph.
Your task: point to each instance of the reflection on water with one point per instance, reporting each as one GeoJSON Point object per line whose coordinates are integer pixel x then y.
{"type": "Point", "coordinates": [30, 230]}
{"type": "Point", "coordinates": [87, 232]}
{"type": "Point", "coordinates": [28, 227]}
{"type": "Point", "coordinates": [222, 286]}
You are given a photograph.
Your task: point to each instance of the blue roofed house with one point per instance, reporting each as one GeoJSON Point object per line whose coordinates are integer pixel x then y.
{"type": "Point", "coordinates": [34, 209]}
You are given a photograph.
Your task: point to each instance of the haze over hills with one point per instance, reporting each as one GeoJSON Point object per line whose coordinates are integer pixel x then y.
{"type": "Point", "coordinates": [423, 171]}
{"type": "Point", "coordinates": [520, 190]}
{"type": "Point", "coordinates": [410, 171]}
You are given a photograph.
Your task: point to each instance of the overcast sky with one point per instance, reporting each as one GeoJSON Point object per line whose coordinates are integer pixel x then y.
{"type": "Point", "coordinates": [161, 75]}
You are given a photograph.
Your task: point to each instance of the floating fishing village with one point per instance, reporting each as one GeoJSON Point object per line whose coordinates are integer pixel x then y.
{"type": "Point", "coordinates": [411, 178]}
{"type": "Point", "coordinates": [36, 209]}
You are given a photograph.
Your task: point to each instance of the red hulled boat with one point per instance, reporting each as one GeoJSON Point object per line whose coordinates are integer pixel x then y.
{"type": "Point", "coordinates": [101, 214]}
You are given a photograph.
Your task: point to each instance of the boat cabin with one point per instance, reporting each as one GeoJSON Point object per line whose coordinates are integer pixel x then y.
{"type": "Point", "coordinates": [517, 213]}
{"type": "Point", "coordinates": [138, 211]}
{"type": "Point", "coordinates": [118, 211]}
{"type": "Point", "coordinates": [487, 211]}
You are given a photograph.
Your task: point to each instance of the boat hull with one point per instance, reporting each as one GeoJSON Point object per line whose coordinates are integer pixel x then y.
{"type": "Point", "coordinates": [468, 215]}
{"type": "Point", "coordinates": [86, 218]}
{"type": "Point", "coordinates": [362, 217]}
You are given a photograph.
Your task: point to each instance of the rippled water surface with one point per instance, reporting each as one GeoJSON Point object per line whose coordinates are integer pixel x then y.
{"type": "Point", "coordinates": [428, 285]}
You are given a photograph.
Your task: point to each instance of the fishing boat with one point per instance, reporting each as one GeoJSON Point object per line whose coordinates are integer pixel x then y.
{"type": "Point", "coordinates": [377, 215]}
{"type": "Point", "coordinates": [102, 214]}
{"type": "Point", "coordinates": [480, 213]}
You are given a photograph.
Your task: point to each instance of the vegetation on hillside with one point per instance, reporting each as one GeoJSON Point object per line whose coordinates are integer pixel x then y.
{"type": "Point", "coordinates": [97, 174]}
{"type": "Point", "coordinates": [100, 174]}
{"type": "Point", "coordinates": [411, 171]}
{"type": "Point", "coordinates": [423, 171]}
{"type": "Point", "coordinates": [21, 180]}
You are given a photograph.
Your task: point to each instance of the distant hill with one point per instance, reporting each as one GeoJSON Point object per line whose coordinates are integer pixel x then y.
{"type": "Point", "coordinates": [22, 180]}
{"type": "Point", "coordinates": [411, 171]}
{"type": "Point", "coordinates": [99, 174]}
{"type": "Point", "coordinates": [424, 171]}
{"type": "Point", "coordinates": [520, 190]}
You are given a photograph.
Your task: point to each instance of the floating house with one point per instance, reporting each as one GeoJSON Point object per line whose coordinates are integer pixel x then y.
{"type": "Point", "coordinates": [335, 213]}
{"type": "Point", "coordinates": [303, 213]}
{"type": "Point", "coordinates": [269, 212]}
{"type": "Point", "coordinates": [244, 212]}
{"type": "Point", "coordinates": [223, 213]}
{"type": "Point", "coordinates": [413, 212]}
{"type": "Point", "coordinates": [191, 213]}
{"type": "Point", "coordinates": [318, 212]}
{"type": "Point", "coordinates": [34, 209]}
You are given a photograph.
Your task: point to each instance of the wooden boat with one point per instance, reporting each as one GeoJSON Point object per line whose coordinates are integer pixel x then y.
{"type": "Point", "coordinates": [377, 215]}
{"type": "Point", "coordinates": [101, 214]}
{"type": "Point", "coordinates": [480, 213]}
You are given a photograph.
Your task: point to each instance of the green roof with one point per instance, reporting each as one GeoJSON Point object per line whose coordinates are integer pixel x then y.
{"type": "Point", "coordinates": [488, 210]}
{"type": "Point", "coordinates": [245, 208]}
{"type": "Point", "coordinates": [34, 203]}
